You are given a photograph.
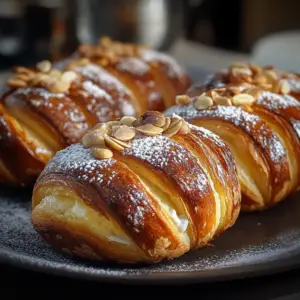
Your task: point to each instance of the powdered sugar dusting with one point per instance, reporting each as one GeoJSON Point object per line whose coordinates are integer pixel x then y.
{"type": "Point", "coordinates": [96, 91]}
{"type": "Point", "coordinates": [296, 126]}
{"type": "Point", "coordinates": [274, 101]}
{"type": "Point", "coordinates": [102, 77]}
{"type": "Point", "coordinates": [294, 84]}
{"type": "Point", "coordinates": [173, 68]}
{"type": "Point", "coordinates": [44, 93]}
{"type": "Point", "coordinates": [133, 65]}
{"type": "Point", "coordinates": [251, 123]}
{"type": "Point", "coordinates": [162, 153]}
{"type": "Point", "coordinates": [76, 158]}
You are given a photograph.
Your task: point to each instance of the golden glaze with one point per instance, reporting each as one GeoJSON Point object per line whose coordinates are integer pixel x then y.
{"type": "Point", "coordinates": [98, 94]}
{"type": "Point", "coordinates": [139, 190]}
{"type": "Point", "coordinates": [276, 156]}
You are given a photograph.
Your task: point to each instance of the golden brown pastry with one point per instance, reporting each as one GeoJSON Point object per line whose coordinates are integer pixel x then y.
{"type": "Point", "coordinates": [262, 130]}
{"type": "Point", "coordinates": [155, 78]}
{"type": "Point", "coordinates": [137, 190]}
{"type": "Point", "coordinates": [268, 78]}
{"type": "Point", "coordinates": [44, 109]}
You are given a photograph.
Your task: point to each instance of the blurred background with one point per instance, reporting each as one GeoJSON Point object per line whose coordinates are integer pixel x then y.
{"type": "Point", "coordinates": [202, 33]}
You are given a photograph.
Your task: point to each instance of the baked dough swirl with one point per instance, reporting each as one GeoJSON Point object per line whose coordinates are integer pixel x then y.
{"type": "Point", "coordinates": [134, 191]}
{"type": "Point", "coordinates": [262, 130]}
{"type": "Point", "coordinates": [50, 106]}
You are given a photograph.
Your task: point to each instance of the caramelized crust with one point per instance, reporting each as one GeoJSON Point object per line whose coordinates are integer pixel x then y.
{"type": "Point", "coordinates": [65, 120]}
{"type": "Point", "coordinates": [22, 159]}
{"type": "Point", "coordinates": [150, 202]}
{"type": "Point", "coordinates": [55, 107]}
{"type": "Point", "coordinates": [169, 75]}
{"type": "Point", "coordinates": [262, 160]}
{"type": "Point", "coordinates": [136, 74]}
{"type": "Point", "coordinates": [104, 95]}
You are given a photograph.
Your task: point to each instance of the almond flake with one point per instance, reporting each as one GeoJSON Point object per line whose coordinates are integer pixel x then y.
{"type": "Point", "coordinates": [223, 101]}
{"type": "Point", "coordinates": [44, 66]}
{"type": "Point", "coordinates": [102, 153]}
{"type": "Point", "coordinates": [112, 144]}
{"type": "Point", "coordinates": [124, 133]}
{"type": "Point", "coordinates": [167, 123]}
{"type": "Point", "coordinates": [16, 83]}
{"type": "Point", "coordinates": [243, 99]}
{"type": "Point", "coordinates": [203, 102]}
{"type": "Point", "coordinates": [68, 76]}
{"type": "Point", "coordinates": [172, 130]}
{"type": "Point", "coordinates": [182, 99]}
{"type": "Point", "coordinates": [127, 120]}
{"type": "Point", "coordinates": [149, 129]}
{"type": "Point", "coordinates": [93, 139]}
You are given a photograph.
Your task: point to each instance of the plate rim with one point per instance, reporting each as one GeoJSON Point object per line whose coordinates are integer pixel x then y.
{"type": "Point", "coordinates": [44, 266]}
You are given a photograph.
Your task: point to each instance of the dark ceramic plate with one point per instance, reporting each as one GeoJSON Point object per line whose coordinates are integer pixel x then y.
{"type": "Point", "coordinates": [259, 244]}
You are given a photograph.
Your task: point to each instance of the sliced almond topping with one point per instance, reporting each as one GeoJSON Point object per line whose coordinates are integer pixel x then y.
{"type": "Point", "coordinates": [255, 68]}
{"type": "Point", "coordinates": [127, 120]}
{"type": "Point", "coordinates": [149, 129]}
{"type": "Point", "coordinates": [223, 101]}
{"type": "Point", "coordinates": [124, 133]}
{"type": "Point", "coordinates": [255, 92]}
{"type": "Point", "coordinates": [203, 102]}
{"type": "Point", "coordinates": [270, 75]}
{"type": "Point", "coordinates": [102, 153]}
{"type": "Point", "coordinates": [172, 130]}
{"type": "Point", "coordinates": [16, 83]}
{"type": "Point", "coordinates": [40, 78]}
{"type": "Point", "coordinates": [114, 129]}
{"type": "Point", "coordinates": [83, 61]}
{"type": "Point", "coordinates": [183, 99]}
{"type": "Point", "coordinates": [155, 118]}
{"type": "Point", "coordinates": [123, 144]}
{"type": "Point", "coordinates": [175, 120]}
{"type": "Point", "coordinates": [243, 99]}
{"type": "Point", "coordinates": [68, 76]}
{"type": "Point", "coordinates": [112, 143]}
{"type": "Point", "coordinates": [113, 123]}
{"type": "Point", "coordinates": [55, 73]}
{"type": "Point", "coordinates": [241, 71]}
{"type": "Point", "coordinates": [93, 139]}
{"type": "Point", "coordinates": [100, 126]}
{"type": "Point", "coordinates": [184, 129]}
{"type": "Point", "coordinates": [234, 90]}
{"type": "Point", "coordinates": [260, 79]}
{"type": "Point", "coordinates": [239, 65]}
{"type": "Point", "coordinates": [167, 123]}
{"type": "Point", "coordinates": [212, 94]}
{"type": "Point", "coordinates": [284, 87]}
{"type": "Point", "coordinates": [24, 77]}
{"type": "Point", "coordinates": [44, 66]}
{"type": "Point", "coordinates": [266, 86]}
{"type": "Point", "coordinates": [23, 70]}
{"type": "Point", "coordinates": [60, 87]}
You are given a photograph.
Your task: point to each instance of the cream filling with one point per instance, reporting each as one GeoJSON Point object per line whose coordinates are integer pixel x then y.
{"type": "Point", "coordinates": [77, 210]}
{"type": "Point", "coordinates": [180, 222]}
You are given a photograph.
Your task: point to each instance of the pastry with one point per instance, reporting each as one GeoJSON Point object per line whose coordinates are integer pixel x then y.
{"type": "Point", "coordinates": [137, 191]}
{"type": "Point", "coordinates": [268, 78]}
{"type": "Point", "coordinates": [48, 107]}
{"type": "Point", "coordinates": [155, 78]}
{"type": "Point", "coordinates": [262, 129]}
